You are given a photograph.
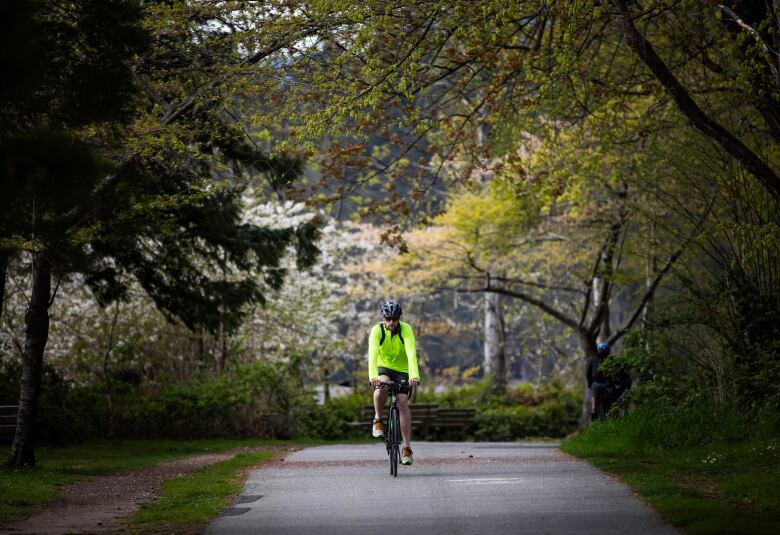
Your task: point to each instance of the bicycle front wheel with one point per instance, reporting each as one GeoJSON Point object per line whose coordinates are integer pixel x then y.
{"type": "Point", "coordinates": [394, 436]}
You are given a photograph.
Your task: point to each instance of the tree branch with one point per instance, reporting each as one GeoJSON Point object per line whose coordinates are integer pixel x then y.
{"type": "Point", "coordinates": [772, 58]}
{"type": "Point", "coordinates": [611, 265]}
{"type": "Point", "coordinates": [174, 112]}
{"type": "Point", "coordinates": [589, 284]}
{"type": "Point", "coordinates": [509, 280]}
{"type": "Point", "coordinates": [703, 122]}
{"type": "Point", "coordinates": [661, 274]}
{"type": "Point", "coordinates": [646, 298]}
{"type": "Point", "coordinates": [557, 314]}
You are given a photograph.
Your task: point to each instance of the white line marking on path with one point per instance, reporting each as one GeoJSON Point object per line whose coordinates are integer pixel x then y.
{"type": "Point", "coordinates": [488, 481]}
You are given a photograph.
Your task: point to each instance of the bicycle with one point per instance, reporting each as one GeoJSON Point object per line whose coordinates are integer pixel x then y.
{"type": "Point", "coordinates": [393, 427]}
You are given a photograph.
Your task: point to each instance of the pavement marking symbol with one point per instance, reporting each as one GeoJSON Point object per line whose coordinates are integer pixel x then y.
{"type": "Point", "coordinates": [234, 511]}
{"type": "Point", "coordinates": [248, 498]}
{"type": "Point", "coordinates": [488, 481]}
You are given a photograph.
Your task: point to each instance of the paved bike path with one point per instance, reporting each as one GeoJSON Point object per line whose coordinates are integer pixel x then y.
{"type": "Point", "coordinates": [452, 488]}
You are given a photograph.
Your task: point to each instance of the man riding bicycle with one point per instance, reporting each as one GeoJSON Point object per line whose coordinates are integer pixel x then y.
{"type": "Point", "coordinates": [392, 356]}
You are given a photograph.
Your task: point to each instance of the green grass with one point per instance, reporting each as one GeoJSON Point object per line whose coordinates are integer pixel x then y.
{"type": "Point", "coordinates": [196, 499]}
{"type": "Point", "coordinates": [723, 482]}
{"type": "Point", "coordinates": [24, 490]}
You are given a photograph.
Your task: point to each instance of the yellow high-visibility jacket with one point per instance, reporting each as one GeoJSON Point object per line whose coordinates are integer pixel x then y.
{"type": "Point", "coordinates": [392, 353]}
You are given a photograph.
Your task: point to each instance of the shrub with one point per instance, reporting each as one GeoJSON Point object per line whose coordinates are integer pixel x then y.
{"type": "Point", "coordinates": [550, 419]}
{"type": "Point", "coordinates": [331, 419]}
{"type": "Point", "coordinates": [253, 400]}
{"type": "Point", "coordinates": [66, 412]}
{"type": "Point", "coordinates": [549, 410]}
{"type": "Point", "coordinates": [651, 430]}
{"type": "Point", "coordinates": [266, 400]}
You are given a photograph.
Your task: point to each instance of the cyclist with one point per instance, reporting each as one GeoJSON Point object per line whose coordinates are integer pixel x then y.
{"type": "Point", "coordinates": [597, 381]}
{"type": "Point", "coordinates": [392, 356]}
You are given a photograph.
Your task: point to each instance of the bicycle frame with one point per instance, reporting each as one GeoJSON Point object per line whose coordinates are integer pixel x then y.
{"type": "Point", "coordinates": [393, 433]}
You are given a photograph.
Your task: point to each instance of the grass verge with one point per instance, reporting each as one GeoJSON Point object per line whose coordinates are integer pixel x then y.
{"type": "Point", "coordinates": [724, 483]}
{"type": "Point", "coordinates": [192, 501]}
{"type": "Point", "coordinates": [25, 490]}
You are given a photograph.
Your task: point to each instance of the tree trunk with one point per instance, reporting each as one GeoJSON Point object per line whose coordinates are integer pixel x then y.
{"type": "Point", "coordinates": [589, 349]}
{"type": "Point", "coordinates": [223, 350]}
{"type": "Point", "coordinates": [776, 9]}
{"type": "Point", "coordinates": [495, 352]}
{"type": "Point", "coordinates": [3, 267]}
{"type": "Point", "coordinates": [601, 301]}
{"type": "Point", "coordinates": [325, 384]}
{"type": "Point", "coordinates": [201, 345]}
{"type": "Point", "coordinates": [106, 374]}
{"type": "Point", "coordinates": [36, 336]}
{"type": "Point", "coordinates": [651, 269]}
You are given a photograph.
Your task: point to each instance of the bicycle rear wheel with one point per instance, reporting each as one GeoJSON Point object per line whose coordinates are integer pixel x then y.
{"type": "Point", "coordinates": [394, 428]}
{"type": "Point", "coordinates": [389, 441]}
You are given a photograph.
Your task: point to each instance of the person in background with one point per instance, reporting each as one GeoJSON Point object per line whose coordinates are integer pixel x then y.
{"type": "Point", "coordinates": [602, 385]}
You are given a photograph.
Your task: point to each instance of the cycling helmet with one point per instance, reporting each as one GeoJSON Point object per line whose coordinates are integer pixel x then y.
{"type": "Point", "coordinates": [602, 347]}
{"type": "Point", "coordinates": [391, 309]}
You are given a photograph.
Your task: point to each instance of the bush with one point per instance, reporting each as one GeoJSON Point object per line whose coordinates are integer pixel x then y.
{"type": "Point", "coordinates": [254, 400]}
{"type": "Point", "coordinates": [66, 412]}
{"type": "Point", "coordinates": [266, 400]}
{"type": "Point", "coordinates": [331, 419]}
{"type": "Point", "coordinates": [514, 413]}
{"type": "Point", "coordinates": [550, 419]}
{"type": "Point", "coordinates": [653, 430]}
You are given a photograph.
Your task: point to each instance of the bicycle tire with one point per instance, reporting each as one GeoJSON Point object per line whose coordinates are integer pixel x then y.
{"type": "Point", "coordinates": [389, 438]}
{"type": "Point", "coordinates": [397, 439]}
{"type": "Point", "coordinates": [394, 425]}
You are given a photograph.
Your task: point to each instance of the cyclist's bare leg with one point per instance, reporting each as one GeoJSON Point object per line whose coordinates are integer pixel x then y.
{"type": "Point", "coordinates": [380, 398]}
{"type": "Point", "coordinates": [406, 419]}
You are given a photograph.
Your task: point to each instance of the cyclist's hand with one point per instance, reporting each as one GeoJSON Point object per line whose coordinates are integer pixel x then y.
{"type": "Point", "coordinates": [414, 382]}
{"type": "Point", "coordinates": [376, 382]}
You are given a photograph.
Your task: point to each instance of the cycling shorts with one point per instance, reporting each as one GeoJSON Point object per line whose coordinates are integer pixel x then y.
{"type": "Point", "coordinates": [395, 376]}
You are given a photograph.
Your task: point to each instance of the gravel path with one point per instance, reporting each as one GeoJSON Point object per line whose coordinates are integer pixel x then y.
{"type": "Point", "coordinates": [100, 504]}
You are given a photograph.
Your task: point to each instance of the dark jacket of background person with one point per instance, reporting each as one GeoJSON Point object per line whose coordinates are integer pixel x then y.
{"type": "Point", "coordinates": [594, 375]}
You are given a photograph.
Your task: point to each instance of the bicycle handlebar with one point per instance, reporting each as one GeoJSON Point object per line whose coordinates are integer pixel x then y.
{"type": "Point", "coordinates": [394, 384]}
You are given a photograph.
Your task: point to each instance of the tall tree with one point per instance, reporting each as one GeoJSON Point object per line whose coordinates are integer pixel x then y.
{"type": "Point", "coordinates": [661, 80]}
{"type": "Point", "coordinates": [495, 359]}
{"type": "Point", "coordinates": [565, 270]}
{"type": "Point", "coordinates": [91, 190]}
{"type": "Point", "coordinates": [46, 167]}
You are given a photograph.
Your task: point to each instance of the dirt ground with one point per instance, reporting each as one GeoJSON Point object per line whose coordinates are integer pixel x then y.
{"type": "Point", "coordinates": [101, 504]}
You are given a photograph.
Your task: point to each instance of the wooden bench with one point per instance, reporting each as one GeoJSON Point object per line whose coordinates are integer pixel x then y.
{"type": "Point", "coordinates": [455, 417]}
{"type": "Point", "coordinates": [422, 415]}
{"type": "Point", "coordinates": [8, 414]}
{"type": "Point", "coordinates": [426, 417]}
